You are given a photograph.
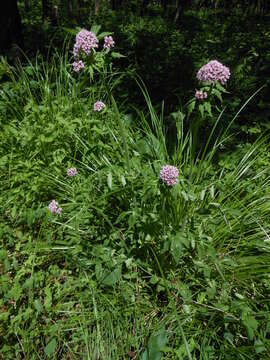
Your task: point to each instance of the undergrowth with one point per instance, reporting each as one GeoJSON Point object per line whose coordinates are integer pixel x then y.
{"type": "Point", "coordinates": [131, 268]}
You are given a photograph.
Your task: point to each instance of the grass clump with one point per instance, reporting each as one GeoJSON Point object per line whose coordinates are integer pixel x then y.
{"type": "Point", "coordinates": [131, 267]}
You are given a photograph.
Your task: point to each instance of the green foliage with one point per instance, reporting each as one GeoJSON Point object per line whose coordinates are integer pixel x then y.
{"type": "Point", "coordinates": [131, 267]}
{"type": "Point", "coordinates": [235, 34]}
{"type": "Point", "coordinates": [155, 346]}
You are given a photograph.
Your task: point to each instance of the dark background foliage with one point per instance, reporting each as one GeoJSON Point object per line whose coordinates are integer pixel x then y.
{"type": "Point", "coordinates": [165, 42]}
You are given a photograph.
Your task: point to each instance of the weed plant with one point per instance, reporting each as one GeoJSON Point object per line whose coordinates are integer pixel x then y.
{"type": "Point", "coordinates": [130, 267]}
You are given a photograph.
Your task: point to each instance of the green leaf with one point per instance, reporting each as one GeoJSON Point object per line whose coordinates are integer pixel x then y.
{"type": "Point", "coordinates": [95, 28]}
{"type": "Point", "coordinates": [48, 298]}
{"type": "Point", "coordinates": [207, 107]}
{"type": "Point", "coordinates": [178, 243]}
{"type": "Point", "coordinates": [109, 180]}
{"type": "Point", "coordinates": [178, 116]}
{"type": "Point", "coordinates": [7, 265]}
{"type": "Point", "coordinates": [103, 34]}
{"type": "Point", "coordinates": [229, 337]}
{"type": "Point", "coordinates": [59, 155]}
{"type": "Point", "coordinates": [202, 194]}
{"type": "Point", "coordinates": [254, 130]}
{"type": "Point", "coordinates": [123, 180]}
{"type": "Point", "coordinates": [212, 192]}
{"type": "Point", "coordinates": [116, 55]}
{"type": "Point", "coordinates": [251, 325]}
{"type": "Point", "coordinates": [132, 219]}
{"type": "Point", "coordinates": [201, 109]}
{"type": "Point", "coordinates": [38, 305]}
{"type": "Point", "coordinates": [221, 88]}
{"type": "Point", "coordinates": [154, 279]}
{"type": "Point", "coordinates": [217, 93]}
{"type": "Point", "coordinates": [185, 195]}
{"type": "Point", "coordinates": [217, 205]}
{"type": "Point", "coordinates": [91, 72]}
{"type": "Point", "coordinates": [191, 107]}
{"type": "Point", "coordinates": [182, 352]}
{"type": "Point", "coordinates": [156, 346]}
{"type": "Point", "coordinates": [113, 277]}
{"type": "Point", "coordinates": [50, 348]}
{"type": "Point", "coordinates": [259, 346]}
{"type": "Point", "coordinates": [15, 292]}
{"type": "Point", "coordinates": [98, 271]}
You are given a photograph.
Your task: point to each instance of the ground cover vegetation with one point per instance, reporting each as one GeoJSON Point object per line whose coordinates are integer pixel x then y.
{"type": "Point", "coordinates": [132, 228]}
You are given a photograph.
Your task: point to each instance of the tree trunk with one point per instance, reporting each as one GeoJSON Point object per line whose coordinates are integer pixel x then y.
{"type": "Point", "coordinates": [11, 27]}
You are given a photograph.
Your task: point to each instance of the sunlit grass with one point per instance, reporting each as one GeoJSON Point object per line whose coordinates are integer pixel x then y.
{"type": "Point", "coordinates": [131, 269]}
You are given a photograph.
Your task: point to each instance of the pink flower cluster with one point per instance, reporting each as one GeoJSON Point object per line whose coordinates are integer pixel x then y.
{"type": "Point", "coordinates": [78, 66]}
{"type": "Point", "coordinates": [200, 95]}
{"type": "Point", "coordinates": [98, 106]}
{"type": "Point", "coordinates": [169, 175]}
{"type": "Point", "coordinates": [54, 207]}
{"type": "Point", "coordinates": [72, 172]}
{"type": "Point", "coordinates": [108, 42]}
{"type": "Point", "coordinates": [85, 42]}
{"type": "Point", "coordinates": [213, 72]}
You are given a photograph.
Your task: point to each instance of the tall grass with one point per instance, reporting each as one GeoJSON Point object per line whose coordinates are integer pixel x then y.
{"type": "Point", "coordinates": [131, 269]}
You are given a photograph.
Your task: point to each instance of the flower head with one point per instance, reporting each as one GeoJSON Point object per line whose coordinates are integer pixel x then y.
{"type": "Point", "coordinates": [108, 42]}
{"type": "Point", "coordinates": [213, 72]}
{"type": "Point", "coordinates": [72, 172]}
{"type": "Point", "coordinates": [54, 207]}
{"type": "Point", "coordinates": [201, 95]}
{"type": "Point", "coordinates": [169, 175]}
{"type": "Point", "coordinates": [85, 41]}
{"type": "Point", "coordinates": [98, 106]}
{"type": "Point", "coordinates": [78, 66]}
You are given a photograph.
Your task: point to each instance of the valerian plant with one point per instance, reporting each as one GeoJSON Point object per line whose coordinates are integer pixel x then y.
{"type": "Point", "coordinates": [212, 76]}
{"type": "Point", "coordinates": [89, 54]}
{"type": "Point", "coordinates": [138, 235]}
